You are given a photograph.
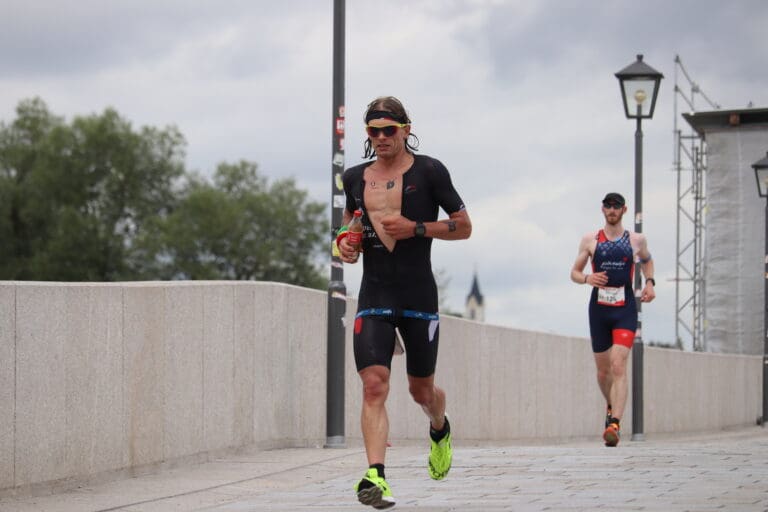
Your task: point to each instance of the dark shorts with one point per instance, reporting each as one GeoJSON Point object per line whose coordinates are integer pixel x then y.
{"type": "Point", "coordinates": [609, 324]}
{"type": "Point", "coordinates": [374, 342]}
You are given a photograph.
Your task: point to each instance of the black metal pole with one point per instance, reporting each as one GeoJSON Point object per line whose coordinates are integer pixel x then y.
{"type": "Point", "coordinates": [637, 347]}
{"type": "Point", "coordinates": [337, 291]}
{"type": "Point", "coordinates": [765, 323]}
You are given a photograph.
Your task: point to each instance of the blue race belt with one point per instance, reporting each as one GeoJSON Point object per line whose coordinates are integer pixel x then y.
{"type": "Point", "coordinates": [391, 312]}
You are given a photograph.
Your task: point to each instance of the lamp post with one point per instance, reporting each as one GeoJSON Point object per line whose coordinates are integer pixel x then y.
{"type": "Point", "coordinates": [337, 290]}
{"type": "Point", "coordinates": [639, 85]}
{"type": "Point", "coordinates": [761, 175]}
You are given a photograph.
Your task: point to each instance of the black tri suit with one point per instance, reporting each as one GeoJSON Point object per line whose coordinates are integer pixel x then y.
{"type": "Point", "coordinates": [398, 288]}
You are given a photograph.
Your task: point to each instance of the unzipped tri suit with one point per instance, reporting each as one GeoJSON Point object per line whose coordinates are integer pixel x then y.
{"type": "Point", "coordinates": [398, 288]}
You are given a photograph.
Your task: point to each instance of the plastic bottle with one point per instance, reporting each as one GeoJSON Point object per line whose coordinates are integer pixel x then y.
{"type": "Point", "coordinates": [355, 230]}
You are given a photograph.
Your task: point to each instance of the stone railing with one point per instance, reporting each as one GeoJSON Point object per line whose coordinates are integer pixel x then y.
{"type": "Point", "coordinates": [104, 378]}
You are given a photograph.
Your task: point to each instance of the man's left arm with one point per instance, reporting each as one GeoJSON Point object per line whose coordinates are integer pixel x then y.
{"type": "Point", "coordinates": [647, 268]}
{"type": "Point", "coordinates": [456, 227]}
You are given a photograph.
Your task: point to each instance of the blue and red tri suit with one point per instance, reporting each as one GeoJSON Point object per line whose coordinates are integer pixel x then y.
{"type": "Point", "coordinates": [613, 316]}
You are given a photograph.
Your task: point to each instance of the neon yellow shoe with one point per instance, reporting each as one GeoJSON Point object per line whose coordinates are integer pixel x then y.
{"type": "Point", "coordinates": [376, 493]}
{"type": "Point", "coordinates": [440, 457]}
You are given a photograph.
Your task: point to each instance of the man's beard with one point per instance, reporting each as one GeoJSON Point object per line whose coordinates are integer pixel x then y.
{"type": "Point", "coordinates": [613, 221]}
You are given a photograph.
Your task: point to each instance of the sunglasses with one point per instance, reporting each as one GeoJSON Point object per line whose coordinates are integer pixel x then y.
{"type": "Point", "coordinates": [615, 206]}
{"type": "Point", "coordinates": [388, 131]}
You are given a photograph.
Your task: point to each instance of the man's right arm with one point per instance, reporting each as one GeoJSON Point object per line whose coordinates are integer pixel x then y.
{"type": "Point", "coordinates": [346, 253]}
{"type": "Point", "coordinates": [577, 271]}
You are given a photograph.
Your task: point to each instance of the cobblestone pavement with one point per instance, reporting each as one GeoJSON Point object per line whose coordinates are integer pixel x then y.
{"type": "Point", "coordinates": [719, 471]}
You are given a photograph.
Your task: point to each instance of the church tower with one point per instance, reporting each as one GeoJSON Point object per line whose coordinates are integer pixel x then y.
{"type": "Point", "coordinates": [475, 309]}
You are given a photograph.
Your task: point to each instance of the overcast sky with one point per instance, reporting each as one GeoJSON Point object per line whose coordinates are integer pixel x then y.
{"type": "Point", "coordinates": [517, 98]}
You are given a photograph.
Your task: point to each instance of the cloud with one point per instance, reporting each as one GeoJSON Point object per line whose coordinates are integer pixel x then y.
{"type": "Point", "coordinates": [517, 98]}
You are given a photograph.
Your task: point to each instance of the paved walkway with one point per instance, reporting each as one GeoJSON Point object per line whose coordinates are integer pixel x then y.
{"type": "Point", "coordinates": [723, 471]}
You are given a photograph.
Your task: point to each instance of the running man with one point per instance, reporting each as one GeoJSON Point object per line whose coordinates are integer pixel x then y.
{"type": "Point", "coordinates": [400, 194]}
{"type": "Point", "coordinates": [612, 307]}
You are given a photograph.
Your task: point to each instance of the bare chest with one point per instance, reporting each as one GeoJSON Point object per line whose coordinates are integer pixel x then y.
{"type": "Point", "coordinates": [383, 197]}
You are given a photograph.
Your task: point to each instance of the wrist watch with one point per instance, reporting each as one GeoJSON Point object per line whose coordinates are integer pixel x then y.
{"type": "Point", "coordinates": [419, 231]}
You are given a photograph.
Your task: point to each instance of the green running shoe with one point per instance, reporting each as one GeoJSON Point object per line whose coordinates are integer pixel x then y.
{"type": "Point", "coordinates": [440, 457]}
{"type": "Point", "coordinates": [375, 492]}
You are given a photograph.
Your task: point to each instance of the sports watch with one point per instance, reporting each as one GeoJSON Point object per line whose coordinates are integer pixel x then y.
{"type": "Point", "coordinates": [419, 231]}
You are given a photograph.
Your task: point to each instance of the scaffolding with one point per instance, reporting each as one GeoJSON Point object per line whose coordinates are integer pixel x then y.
{"type": "Point", "coordinates": [690, 164]}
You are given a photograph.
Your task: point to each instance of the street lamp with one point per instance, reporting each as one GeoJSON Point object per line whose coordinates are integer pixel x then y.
{"type": "Point", "coordinates": [639, 85]}
{"type": "Point", "coordinates": [761, 175]}
{"type": "Point", "coordinates": [337, 290]}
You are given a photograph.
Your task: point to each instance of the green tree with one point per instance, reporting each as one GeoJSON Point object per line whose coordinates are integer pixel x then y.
{"type": "Point", "coordinates": [73, 198]}
{"type": "Point", "coordinates": [240, 227]}
{"type": "Point", "coordinates": [96, 200]}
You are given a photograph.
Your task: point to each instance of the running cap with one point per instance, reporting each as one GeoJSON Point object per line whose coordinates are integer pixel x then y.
{"type": "Point", "coordinates": [614, 198]}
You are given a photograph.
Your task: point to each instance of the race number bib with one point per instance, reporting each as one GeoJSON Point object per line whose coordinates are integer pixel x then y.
{"type": "Point", "coordinates": [609, 296]}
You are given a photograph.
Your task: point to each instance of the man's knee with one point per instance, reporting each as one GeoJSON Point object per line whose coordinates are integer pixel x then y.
{"type": "Point", "coordinates": [375, 386]}
{"type": "Point", "coordinates": [618, 368]}
{"type": "Point", "coordinates": [603, 366]}
{"type": "Point", "coordinates": [422, 394]}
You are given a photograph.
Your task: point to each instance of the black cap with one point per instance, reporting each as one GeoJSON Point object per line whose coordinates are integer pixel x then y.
{"type": "Point", "coordinates": [614, 197]}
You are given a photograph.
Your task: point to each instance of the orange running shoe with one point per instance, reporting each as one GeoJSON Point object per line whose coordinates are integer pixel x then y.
{"type": "Point", "coordinates": [611, 434]}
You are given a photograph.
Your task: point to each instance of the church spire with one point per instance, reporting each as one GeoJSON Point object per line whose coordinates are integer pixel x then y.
{"type": "Point", "coordinates": [475, 291]}
{"type": "Point", "coordinates": [474, 304]}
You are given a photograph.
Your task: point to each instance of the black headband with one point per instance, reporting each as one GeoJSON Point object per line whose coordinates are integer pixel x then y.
{"type": "Point", "coordinates": [383, 114]}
